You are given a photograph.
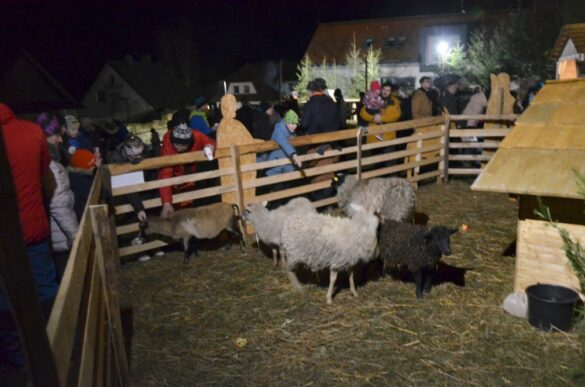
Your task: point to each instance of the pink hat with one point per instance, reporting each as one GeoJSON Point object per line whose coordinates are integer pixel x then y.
{"type": "Point", "coordinates": [375, 85]}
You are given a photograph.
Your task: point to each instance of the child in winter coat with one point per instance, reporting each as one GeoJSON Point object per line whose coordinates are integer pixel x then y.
{"type": "Point", "coordinates": [373, 101]}
{"type": "Point", "coordinates": [64, 222]}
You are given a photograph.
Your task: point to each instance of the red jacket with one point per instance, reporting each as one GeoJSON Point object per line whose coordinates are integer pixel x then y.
{"type": "Point", "coordinates": [199, 141]}
{"type": "Point", "coordinates": [29, 159]}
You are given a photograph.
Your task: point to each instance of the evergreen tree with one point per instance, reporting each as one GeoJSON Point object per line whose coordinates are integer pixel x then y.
{"type": "Point", "coordinates": [304, 76]}
{"type": "Point", "coordinates": [355, 65]}
{"type": "Point", "coordinates": [373, 61]}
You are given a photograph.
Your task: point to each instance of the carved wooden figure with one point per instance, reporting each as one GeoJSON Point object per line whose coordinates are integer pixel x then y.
{"type": "Point", "coordinates": [232, 132]}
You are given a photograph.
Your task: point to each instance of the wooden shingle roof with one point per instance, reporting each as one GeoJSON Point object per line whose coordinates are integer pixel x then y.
{"type": "Point", "coordinates": [546, 144]}
{"type": "Point", "coordinates": [575, 32]}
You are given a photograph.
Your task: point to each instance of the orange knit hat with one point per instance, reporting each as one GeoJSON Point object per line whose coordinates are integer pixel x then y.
{"type": "Point", "coordinates": [83, 159]}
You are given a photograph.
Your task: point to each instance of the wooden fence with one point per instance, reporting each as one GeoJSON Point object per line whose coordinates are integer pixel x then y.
{"type": "Point", "coordinates": [425, 154]}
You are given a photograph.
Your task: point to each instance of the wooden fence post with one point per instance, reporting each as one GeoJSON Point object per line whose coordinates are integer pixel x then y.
{"type": "Point", "coordinates": [360, 133]}
{"type": "Point", "coordinates": [445, 150]}
{"type": "Point", "coordinates": [104, 255]}
{"type": "Point", "coordinates": [235, 153]}
{"type": "Point", "coordinates": [19, 284]}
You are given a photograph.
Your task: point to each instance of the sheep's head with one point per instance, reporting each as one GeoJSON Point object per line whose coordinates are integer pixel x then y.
{"type": "Point", "coordinates": [440, 237]}
{"type": "Point", "coordinates": [252, 209]}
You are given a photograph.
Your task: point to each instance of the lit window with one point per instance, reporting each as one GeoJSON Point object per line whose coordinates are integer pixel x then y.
{"type": "Point", "coordinates": [368, 43]}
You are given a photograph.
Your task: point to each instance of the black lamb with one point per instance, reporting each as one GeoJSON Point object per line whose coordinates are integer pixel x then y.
{"type": "Point", "coordinates": [417, 247]}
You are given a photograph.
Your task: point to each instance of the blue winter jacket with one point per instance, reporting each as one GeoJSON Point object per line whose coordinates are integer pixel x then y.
{"type": "Point", "coordinates": [281, 136]}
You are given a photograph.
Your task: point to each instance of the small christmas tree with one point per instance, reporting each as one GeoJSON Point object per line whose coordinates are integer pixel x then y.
{"type": "Point", "coordinates": [304, 76]}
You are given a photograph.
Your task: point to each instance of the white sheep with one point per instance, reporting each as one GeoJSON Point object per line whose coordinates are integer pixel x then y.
{"type": "Point", "coordinates": [321, 241]}
{"type": "Point", "coordinates": [268, 224]}
{"type": "Point", "coordinates": [190, 224]}
{"type": "Point", "coordinates": [393, 198]}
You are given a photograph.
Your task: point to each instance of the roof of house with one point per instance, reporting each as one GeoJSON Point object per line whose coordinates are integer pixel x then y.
{"type": "Point", "coordinates": [264, 76]}
{"type": "Point", "coordinates": [153, 81]}
{"type": "Point", "coordinates": [575, 32]}
{"type": "Point", "coordinates": [27, 87]}
{"type": "Point", "coordinates": [547, 143]}
{"type": "Point", "coordinates": [333, 40]}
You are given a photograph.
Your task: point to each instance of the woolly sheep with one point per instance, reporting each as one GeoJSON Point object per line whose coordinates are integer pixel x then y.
{"type": "Point", "coordinates": [324, 242]}
{"type": "Point", "coordinates": [392, 198]}
{"type": "Point", "coordinates": [205, 222]}
{"type": "Point", "coordinates": [268, 224]}
{"type": "Point", "coordinates": [417, 247]}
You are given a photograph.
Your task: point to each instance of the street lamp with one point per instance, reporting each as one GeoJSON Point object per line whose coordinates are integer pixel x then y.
{"type": "Point", "coordinates": [443, 49]}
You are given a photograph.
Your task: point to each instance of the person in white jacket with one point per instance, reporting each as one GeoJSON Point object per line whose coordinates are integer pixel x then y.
{"type": "Point", "coordinates": [64, 222]}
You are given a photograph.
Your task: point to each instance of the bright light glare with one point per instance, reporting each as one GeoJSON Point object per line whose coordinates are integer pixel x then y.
{"type": "Point", "coordinates": [442, 48]}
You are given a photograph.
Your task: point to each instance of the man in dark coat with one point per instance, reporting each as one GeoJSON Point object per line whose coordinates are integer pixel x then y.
{"type": "Point", "coordinates": [320, 116]}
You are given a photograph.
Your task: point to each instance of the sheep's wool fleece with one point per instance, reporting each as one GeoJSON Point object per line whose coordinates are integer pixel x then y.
{"type": "Point", "coordinates": [394, 198]}
{"type": "Point", "coordinates": [404, 244]}
{"type": "Point", "coordinates": [203, 222]}
{"type": "Point", "coordinates": [325, 242]}
{"type": "Point", "coordinates": [268, 224]}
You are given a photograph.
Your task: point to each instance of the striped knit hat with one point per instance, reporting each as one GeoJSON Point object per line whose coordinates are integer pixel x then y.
{"type": "Point", "coordinates": [182, 134]}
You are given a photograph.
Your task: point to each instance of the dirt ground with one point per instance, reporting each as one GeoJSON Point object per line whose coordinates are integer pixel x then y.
{"type": "Point", "coordinates": [233, 319]}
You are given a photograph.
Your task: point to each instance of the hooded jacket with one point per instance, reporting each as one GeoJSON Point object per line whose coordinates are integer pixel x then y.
{"type": "Point", "coordinates": [28, 156]}
{"type": "Point", "coordinates": [64, 222]}
{"type": "Point", "coordinates": [199, 142]}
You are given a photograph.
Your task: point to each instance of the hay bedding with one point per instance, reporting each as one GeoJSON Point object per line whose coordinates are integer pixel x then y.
{"type": "Point", "coordinates": [234, 320]}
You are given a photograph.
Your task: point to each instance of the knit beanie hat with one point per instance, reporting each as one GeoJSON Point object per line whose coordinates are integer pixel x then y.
{"type": "Point", "coordinates": [375, 85]}
{"type": "Point", "coordinates": [70, 120]}
{"type": "Point", "coordinates": [199, 101]}
{"type": "Point", "coordinates": [49, 123]}
{"type": "Point", "coordinates": [291, 117]}
{"type": "Point", "coordinates": [83, 159]}
{"type": "Point", "coordinates": [134, 148]}
{"type": "Point", "coordinates": [182, 134]}
{"type": "Point", "coordinates": [265, 105]}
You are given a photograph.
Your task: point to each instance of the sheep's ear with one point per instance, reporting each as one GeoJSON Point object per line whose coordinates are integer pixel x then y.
{"type": "Point", "coordinates": [357, 207]}
{"type": "Point", "coordinates": [264, 203]}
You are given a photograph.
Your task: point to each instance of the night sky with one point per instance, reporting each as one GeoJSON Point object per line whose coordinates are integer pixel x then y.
{"type": "Point", "coordinates": [73, 40]}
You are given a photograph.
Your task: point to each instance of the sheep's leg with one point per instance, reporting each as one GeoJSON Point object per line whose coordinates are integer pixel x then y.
{"type": "Point", "coordinates": [332, 279]}
{"type": "Point", "coordinates": [428, 280]}
{"type": "Point", "coordinates": [294, 281]}
{"type": "Point", "coordinates": [283, 257]}
{"type": "Point", "coordinates": [190, 245]}
{"type": "Point", "coordinates": [419, 283]}
{"type": "Point", "coordinates": [235, 230]}
{"type": "Point", "coordinates": [352, 284]}
{"type": "Point", "coordinates": [274, 256]}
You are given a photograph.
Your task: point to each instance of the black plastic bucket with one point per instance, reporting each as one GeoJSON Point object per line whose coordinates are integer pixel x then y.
{"type": "Point", "coordinates": [551, 306]}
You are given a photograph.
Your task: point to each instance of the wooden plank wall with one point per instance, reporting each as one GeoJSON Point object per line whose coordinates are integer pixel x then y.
{"type": "Point", "coordinates": [540, 256]}
{"type": "Point", "coordinates": [92, 321]}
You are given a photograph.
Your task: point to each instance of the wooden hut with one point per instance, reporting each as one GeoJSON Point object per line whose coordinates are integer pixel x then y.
{"type": "Point", "coordinates": [538, 159]}
{"type": "Point", "coordinates": [569, 52]}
